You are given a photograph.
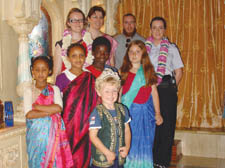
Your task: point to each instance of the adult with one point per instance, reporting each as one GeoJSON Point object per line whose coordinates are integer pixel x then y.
{"type": "Point", "coordinates": [95, 21]}
{"type": "Point", "coordinates": [129, 34]}
{"type": "Point", "coordinates": [167, 62]}
{"type": "Point", "coordinates": [72, 34]}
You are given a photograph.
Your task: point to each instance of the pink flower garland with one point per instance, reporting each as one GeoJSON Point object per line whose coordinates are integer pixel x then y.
{"type": "Point", "coordinates": [163, 53]}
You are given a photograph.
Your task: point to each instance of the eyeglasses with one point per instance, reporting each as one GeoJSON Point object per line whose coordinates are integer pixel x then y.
{"type": "Point", "coordinates": [127, 42]}
{"type": "Point", "coordinates": [76, 20]}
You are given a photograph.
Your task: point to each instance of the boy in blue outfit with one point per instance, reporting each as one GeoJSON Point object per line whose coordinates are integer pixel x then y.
{"type": "Point", "coordinates": [109, 129]}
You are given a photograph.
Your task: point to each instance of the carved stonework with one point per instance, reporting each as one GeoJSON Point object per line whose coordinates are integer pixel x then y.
{"type": "Point", "coordinates": [12, 146]}
{"type": "Point", "coordinates": [111, 8]}
{"type": "Point", "coordinates": [22, 15]}
{"type": "Point", "coordinates": [9, 156]}
{"type": "Point", "coordinates": [85, 5]}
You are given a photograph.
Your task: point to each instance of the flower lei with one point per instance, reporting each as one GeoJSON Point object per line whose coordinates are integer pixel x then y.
{"type": "Point", "coordinates": [88, 40]}
{"type": "Point", "coordinates": [66, 41]}
{"type": "Point", "coordinates": [163, 53]}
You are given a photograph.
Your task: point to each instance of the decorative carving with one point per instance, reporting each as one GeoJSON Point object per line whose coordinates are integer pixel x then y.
{"type": "Point", "coordinates": [85, 5]}
{"type": "Point", "coordinates": [111, 8]}
{"type": "Point", "coordinates": [15, 132]}
{"type": "Point", "coordinates": [22, 15]}
{"type": "Point", "coordinates": [12, 146]}
{"type": "Point", "coordinates": [9, 156]}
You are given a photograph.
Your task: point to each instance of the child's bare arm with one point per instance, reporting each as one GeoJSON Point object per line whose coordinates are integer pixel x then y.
{"type": "Point", "coordinates": [51, 109]}
{"type": "Point", "coordinates": [100, 146]}
{"type": "Point", "coordinates": [155, 96]}
{"type": "Point", "coordinates": [36, 114]}
{"type": "Point", "coordinates": [40, 111]}
{"type": "Point", "coordinates": [125, 149]}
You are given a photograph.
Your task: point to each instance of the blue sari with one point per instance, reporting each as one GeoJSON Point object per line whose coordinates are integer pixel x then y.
{"type": "Point", "coordinates": [142, 126]}
{"type": "Point", "coordinates": [47, 143]}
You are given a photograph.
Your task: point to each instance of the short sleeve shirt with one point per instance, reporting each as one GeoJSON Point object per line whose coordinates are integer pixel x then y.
{"type": "Point", "coordinates": [95, 121]}
{"type": "Point", "coordinates": [173, 59]}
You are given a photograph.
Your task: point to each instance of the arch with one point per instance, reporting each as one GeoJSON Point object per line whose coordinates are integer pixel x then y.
{"type": "Point", "coordinates": [56, 20]}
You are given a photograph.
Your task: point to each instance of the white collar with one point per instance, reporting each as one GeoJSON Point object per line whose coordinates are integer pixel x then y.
{"type": "Point", "coordinates": [69, 75]}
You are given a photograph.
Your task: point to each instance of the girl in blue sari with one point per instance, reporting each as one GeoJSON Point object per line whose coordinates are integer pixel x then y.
{"type": "Point", "coordinates": [140, 95]}
{"type": "Point", "coordinates": [47, 143]}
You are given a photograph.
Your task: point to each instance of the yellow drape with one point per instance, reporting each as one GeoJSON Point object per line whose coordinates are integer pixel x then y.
{"type": "Point", "coordinates": [197, 27]}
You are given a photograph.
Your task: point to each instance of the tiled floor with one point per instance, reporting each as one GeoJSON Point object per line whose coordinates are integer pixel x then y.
{"type": "Point", "coordinates": [199, 162]}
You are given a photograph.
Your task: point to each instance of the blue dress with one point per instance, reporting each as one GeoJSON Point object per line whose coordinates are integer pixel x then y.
{"type": "Point", "coordinates": [47, 143]}
{"type": "Point", "coordinates": [143, 130]}
{"type": "Point", "coordinates": [142, 124]}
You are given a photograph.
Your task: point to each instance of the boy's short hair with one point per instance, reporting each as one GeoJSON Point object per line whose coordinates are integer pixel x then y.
{"type": "Point", "coordinates": [101, 41]}
{"type": "Point", "coordinates": [107, 76]}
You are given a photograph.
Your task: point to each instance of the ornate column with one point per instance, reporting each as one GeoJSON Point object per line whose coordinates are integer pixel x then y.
{"type": "Point", "coordinates": [111, 8]}
{"type": "Point", "coordinates": [85, 5]}
{"type": "Point", "coordinates": [22, 15]}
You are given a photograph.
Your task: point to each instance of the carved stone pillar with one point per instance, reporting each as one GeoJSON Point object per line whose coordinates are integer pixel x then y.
{"type": "Point", "coordinates": [111, 8]}
{"type": "Point", "coordinates": [22, 15]}
{"type": "Point", "coordinates": [85, 5]}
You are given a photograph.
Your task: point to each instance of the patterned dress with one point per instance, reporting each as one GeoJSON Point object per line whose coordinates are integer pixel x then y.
{"type": "Point", "coordinates": [47, 143]}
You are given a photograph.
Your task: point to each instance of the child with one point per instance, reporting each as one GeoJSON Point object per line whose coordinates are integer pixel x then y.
{"type": "Point", "coordinates": [140, 95]}
{"type": "Point", "coordinates": [101, 48]}
{"type": "Point", "coordinates": [79, 99]}
{"type": "Point", "coordinates": [109, 129]}
{"type": "Point", "coordinates": [47, 144]}
{"type": "Point", "coordinates": [76, 56]}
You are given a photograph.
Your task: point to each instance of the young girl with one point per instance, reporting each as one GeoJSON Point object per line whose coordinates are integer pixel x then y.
{"type": "Point", "coordinates": [140, 95]}
{"type": "Point", "coordinates": [79, 99]}
{"type": "Point", "coordinates": [76, 56]}
{"type": "Point", "coordinates": [101, 48]}
{"type": "Point", "coordinates": [47, 144]}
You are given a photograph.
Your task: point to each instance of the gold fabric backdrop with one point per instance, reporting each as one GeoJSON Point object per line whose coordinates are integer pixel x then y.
{"type": "Point", "coordinates": [197, 27]}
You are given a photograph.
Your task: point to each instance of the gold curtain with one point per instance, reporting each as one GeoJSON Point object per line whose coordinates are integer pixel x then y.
{"type": "Point", "coordinates": [197, 27]}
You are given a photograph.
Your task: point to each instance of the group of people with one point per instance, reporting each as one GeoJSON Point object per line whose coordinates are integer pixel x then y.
{"type": "Point", "coordinates": [114, 100]}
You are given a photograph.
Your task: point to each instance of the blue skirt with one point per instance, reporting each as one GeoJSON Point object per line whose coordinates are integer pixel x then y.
{"type": "Point", "coordinates": [143, 131]}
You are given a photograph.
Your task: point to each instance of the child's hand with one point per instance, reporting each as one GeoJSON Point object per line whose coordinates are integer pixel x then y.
{"type": "Point", "coordinates": [110, 156]}
{"type": "Point", "coordinates": [123, 151]}
{"type": "Point", "coordinates": [159, 119]}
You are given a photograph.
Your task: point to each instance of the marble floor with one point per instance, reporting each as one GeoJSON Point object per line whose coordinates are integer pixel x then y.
{"type": "Point", "coordinates": [198, 162]}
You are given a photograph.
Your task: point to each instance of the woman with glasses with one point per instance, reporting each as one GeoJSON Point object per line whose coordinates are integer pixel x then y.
{"type": "Point", "coordinates": [73, 33]}
{"type": "Point", "coordinates": [95, 19]}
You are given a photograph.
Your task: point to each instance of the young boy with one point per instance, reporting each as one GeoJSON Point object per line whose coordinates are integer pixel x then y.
{"type": "Point", "coordinates": [109, 129]}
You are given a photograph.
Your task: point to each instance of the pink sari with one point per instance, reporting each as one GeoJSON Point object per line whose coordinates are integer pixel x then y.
{"type": "Point", "coordinates": [47, 143]}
